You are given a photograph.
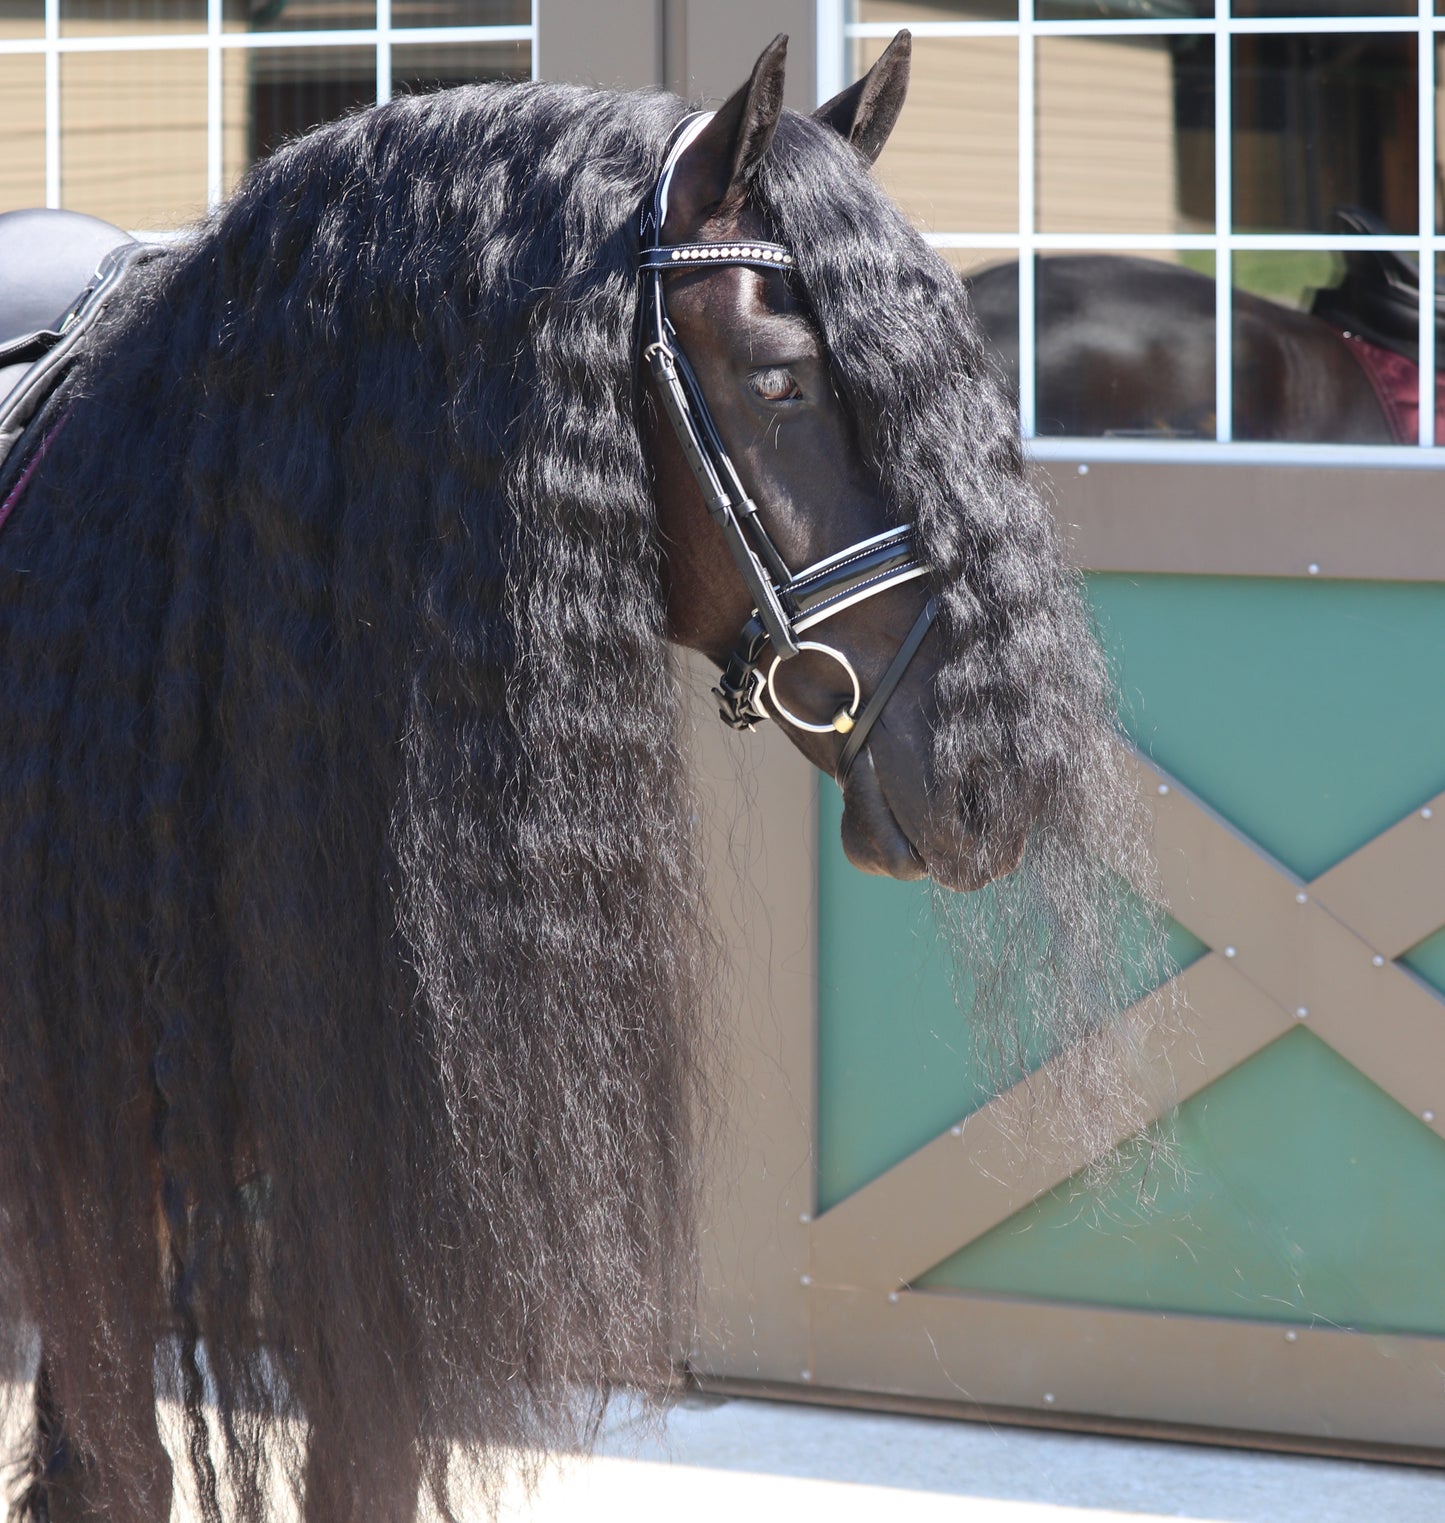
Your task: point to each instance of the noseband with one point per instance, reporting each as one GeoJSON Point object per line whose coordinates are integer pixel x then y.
{"type": "Point", "coordinates": [785, 606]}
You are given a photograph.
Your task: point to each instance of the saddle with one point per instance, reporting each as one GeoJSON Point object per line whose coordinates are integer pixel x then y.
{"type": "Point", "coordinates": [1379, 298]}
{"type": "Point", "coordinates": [57, 270]}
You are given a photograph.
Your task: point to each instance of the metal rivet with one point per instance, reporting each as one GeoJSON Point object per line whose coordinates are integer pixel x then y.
{"type": "Point", "coordinates": [1427, 1116]}
{"type": "Point", "coordinates": [893, 1296]}
{"type": "Point", "coordinates": [1083, 470]}
{"type": "Point", "coordinates": [1163, 789]}
{"type": "Point", "coordinates": [1302, 1013]}
{"type": "Point", "coordinates": [1291, 1336]}
{"type": "Point", "coordinates": [1314, 570]}
{"type": "Point", "coordinates": [1427, 813]}
{"type": "Point", "coordinates": [1230, 952]}
{"type": "Point", "coordinates": [1301, 898]}
{"type": "Point", "coordinates": [1378, 961]}
{"type": "Point", "coordinates": [1048, 1398]}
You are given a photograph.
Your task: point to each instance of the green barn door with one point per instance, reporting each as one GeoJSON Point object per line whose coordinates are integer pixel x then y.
{"type": "Point", "coordinates": [1285, 1278]}
{"type": "Point", "coordinates": [1290, 724]}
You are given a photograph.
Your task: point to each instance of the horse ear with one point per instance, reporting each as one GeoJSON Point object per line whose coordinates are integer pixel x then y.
{"type": "Point", "coordinates": [718, 162]}
{"type": "Point", "coordinates": [865, 112]}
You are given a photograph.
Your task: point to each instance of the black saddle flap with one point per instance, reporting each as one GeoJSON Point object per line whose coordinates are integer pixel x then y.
{"type": "Point", "coordinates": [46, 260]}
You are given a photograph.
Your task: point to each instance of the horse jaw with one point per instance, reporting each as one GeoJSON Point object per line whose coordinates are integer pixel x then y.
{"type": "Point", "coordinates": [873, 840]}
{"type": "Point", "coordinates": [881, 835]}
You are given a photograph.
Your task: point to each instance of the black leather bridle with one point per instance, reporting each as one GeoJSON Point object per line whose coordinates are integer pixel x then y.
{"type": "Point", "coordinates": [785, 606]}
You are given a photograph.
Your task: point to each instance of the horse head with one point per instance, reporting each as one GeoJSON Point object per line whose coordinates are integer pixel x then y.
{"type": "Point", "coordinates": [762, 367]}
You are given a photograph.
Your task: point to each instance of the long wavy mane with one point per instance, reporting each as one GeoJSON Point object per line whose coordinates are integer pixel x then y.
{"type": "Point", "coordinates": [1027, 737]}
{"type": "Point", "coordinates": [352, 906]}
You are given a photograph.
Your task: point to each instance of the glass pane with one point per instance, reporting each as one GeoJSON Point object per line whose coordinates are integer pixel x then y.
{"type": "Point", "coordinates": [952, 162]}
{"type": "Point", "coordinates": [271, 94]}
{"type": "Point", "coordinates": [417, 70]}
{"type": "Point", "coordinates": [1440, 132]}
{"type": "Point", "coordinates": [1125, 346]}
{"type": "Point", "coordinates": [406, 13]}
{"type": "Point", "coordinates": [22, 18]}
{"type": "Point", "coordinates": [1324, 348]}
{"type": "Point", "coordinates": [22, 165]}
{"type": "Point", "coordinates": [973, 262]}
{"type": "Point", "coordinates": [1122, 10]}
{"type": "Point", "coordinates": [993, 282]}
{"type": "Point", "coordinates": [298, 15]}
{"type": "Point", "coordinates": [908, 12]}
{"type": "Point", "coordinates": [1125, 134]}
{"type": "Point", "coordinates": [133, 136]}
{"type": "Point", "coordinates": [1320, 122]}
{"type": "Point", "coordinates": [126, 18]}
{"type": "Point", "coordinates": [1324, 8]}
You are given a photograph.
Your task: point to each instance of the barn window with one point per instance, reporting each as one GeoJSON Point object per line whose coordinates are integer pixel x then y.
{"type": "Point", "coordinates": [147, 112]}
{"type": "Point", "coordinates": [1231, 167]}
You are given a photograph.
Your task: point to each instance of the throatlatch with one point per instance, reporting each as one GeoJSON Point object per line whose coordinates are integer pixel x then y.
{"type": "Point", "coordinates": [785, 606]}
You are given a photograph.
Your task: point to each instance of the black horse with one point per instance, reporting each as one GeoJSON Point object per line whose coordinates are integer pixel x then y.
{"type": "Point", "coordinates": [355, 977]}
{"type": "Point", "coordinates": [1126, 346]}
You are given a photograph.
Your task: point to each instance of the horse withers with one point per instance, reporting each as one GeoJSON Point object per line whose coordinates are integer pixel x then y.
{"type": "Point", "coordinates": [357, 967]}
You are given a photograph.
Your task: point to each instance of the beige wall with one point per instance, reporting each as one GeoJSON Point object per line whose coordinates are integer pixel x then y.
{"type": "Point", "coordinates": [22, 165]}
{"type": "Point", "coordinates": [699, 48]}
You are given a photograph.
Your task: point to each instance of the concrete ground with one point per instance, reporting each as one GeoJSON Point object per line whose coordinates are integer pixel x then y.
{"type": "Point", "coordinates": [753, 1462]}
{"type": "Point", "coordinates": [741, 1461]}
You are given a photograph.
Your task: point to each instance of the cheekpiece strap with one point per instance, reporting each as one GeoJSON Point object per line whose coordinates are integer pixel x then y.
{"type": "Point", "coordinates": [674, 256]}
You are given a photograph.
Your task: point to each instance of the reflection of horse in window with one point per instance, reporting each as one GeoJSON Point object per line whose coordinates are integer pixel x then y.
{"type": "Point", "coordinates": [1126, 347]}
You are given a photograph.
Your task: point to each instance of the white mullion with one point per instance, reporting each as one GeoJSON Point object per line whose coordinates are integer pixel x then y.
{"type": "Point", "coordinates": [832, 60]}
{"type": "Point", "coordinates": [1281, 26]}
{"type": "Point", "coordinates": [1223, 226]}
{"type": "Point", "coordinates": [215, 97]}
{"type": "Point", "coordinates": [383, 50]}
{"type": "Point", "coordinates": [52, 103]}
{"type": "Point", "coordinates": [1028, 359]}
{"type": "Point", "coordinates": [182, 42]}
{"type": "Point", "coordinates": [1207, 452]}
{"type": "Point", "coordinates": [1426, 228]}
{"type": "Point", "coordinates": [1284, 243]}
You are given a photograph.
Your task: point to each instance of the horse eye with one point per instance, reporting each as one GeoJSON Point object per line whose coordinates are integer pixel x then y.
{"type": "Point", "coordinates": [775, 385]}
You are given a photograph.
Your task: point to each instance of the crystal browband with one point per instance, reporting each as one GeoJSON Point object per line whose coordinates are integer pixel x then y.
{"type": "Point", "coordinates": [766, 256]}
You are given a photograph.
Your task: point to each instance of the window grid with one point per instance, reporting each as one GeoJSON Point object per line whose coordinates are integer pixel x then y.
{"type": "Point", "coordinates": [837, 29]}
{"type": "Point", "coordinates": [216, 42]}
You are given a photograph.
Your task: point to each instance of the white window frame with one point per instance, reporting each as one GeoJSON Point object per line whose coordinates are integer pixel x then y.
{"type": "Point", "coordinates": [837, 29]}
{"type": "Point", "coordinates": [216, 42]}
